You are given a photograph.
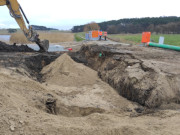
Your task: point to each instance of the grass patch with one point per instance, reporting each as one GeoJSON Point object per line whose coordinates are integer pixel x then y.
{"type": "Point", "coordinates": [171, 39]}
{"type": "Point", "coordinates": [79, 36]}
{"type": "Point", "coordinates": [52, 36]}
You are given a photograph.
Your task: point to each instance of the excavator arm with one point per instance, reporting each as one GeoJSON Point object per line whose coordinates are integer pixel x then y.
{"type": "Point", "coordinates": [18, 14]}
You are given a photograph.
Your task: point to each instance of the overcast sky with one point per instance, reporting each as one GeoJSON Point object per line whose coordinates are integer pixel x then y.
{"type": "Point", "coordinates": [64, 14]}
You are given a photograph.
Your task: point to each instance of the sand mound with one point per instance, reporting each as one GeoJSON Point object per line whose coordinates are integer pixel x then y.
{"type": "Point", "coordinates": [65, 72]}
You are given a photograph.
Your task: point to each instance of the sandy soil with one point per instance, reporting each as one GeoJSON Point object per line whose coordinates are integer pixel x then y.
{"type": "Point", "coordinates": [72, 100]}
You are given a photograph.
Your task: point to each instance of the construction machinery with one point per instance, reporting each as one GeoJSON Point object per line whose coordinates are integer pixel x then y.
{"type": "Point", "coordinates": [18, 14]}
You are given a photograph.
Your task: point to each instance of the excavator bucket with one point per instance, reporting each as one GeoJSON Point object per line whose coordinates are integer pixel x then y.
{"type": "Point", "coordinates": [43, 45]}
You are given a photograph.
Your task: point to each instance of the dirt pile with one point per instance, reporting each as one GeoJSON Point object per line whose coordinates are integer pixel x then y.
{"type": "Point", "coordinates": [134, 77]}
{"type": "Point", "coordinates": [14, 48]}
{"type": "Point", "coordinates": [65, 72]}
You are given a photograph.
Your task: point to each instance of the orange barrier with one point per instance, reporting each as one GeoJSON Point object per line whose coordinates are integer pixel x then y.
{"type": "Point", "coordinates": [146, 36]}
{"type": "Point", "coordinates": [95, 34]}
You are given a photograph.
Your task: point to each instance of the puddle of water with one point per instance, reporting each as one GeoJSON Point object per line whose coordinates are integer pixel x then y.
{"type": "Point", "coordinates": [5, 38]}
{"type": "Point", "coordinates": [52, 48]}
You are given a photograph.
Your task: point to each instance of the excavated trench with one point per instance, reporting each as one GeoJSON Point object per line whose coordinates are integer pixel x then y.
{"type": "Point", "coordinates": [13, 56]}
{"type": "Point", "coordinates": [133, 78]}
{"type": "Point", "coordinates": [111, 67]}
{"type": "Point", "coordinates": [32, 62]}
{"type": "Point", "coordinates": [16, 58]}
{"type": "Point", "coordinates": [130, 76]}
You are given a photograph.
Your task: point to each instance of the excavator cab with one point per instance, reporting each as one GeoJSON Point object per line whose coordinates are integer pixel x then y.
{"type": "Point", "coordinates": [18, 14]}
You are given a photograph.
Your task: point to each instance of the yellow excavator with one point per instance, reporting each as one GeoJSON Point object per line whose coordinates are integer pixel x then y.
{"type": "Point", "coordinates": [18, 14]}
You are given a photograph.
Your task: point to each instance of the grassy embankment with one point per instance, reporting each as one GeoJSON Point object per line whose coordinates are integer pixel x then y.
{"type": "Point", "coordinates": [171, 39]}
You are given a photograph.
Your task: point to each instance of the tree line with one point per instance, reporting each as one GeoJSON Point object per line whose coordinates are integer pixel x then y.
{"type": "Point", "coordinates": [164, 25]}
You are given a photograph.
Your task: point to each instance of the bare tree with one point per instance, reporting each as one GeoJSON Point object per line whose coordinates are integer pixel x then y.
{"type": "Point", "coordinates": [91, 26]}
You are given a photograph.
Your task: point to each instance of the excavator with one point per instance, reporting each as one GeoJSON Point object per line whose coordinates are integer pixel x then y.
{"type": "Point", "coordinates": [18, 14]}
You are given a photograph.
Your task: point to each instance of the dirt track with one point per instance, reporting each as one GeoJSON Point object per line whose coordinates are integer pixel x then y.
{"type": "Point", "coordinates": [41, 96]}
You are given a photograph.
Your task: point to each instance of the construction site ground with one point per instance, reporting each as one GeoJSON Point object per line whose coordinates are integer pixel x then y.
{"type": "Point", "coordinates": [100, 88]}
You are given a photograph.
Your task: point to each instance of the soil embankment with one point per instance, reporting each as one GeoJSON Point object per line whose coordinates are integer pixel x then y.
{"type": "Point", "coordinates": [14, 48]}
